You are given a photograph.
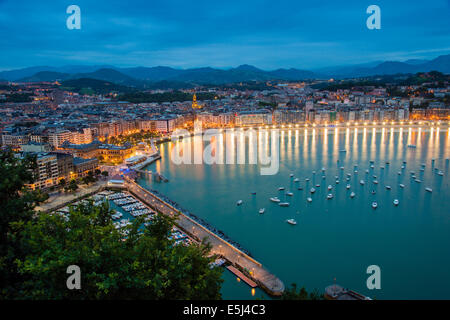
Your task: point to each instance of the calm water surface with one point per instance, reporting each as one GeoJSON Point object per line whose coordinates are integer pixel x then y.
{"type": "Point", "coordinates": [337, 238]}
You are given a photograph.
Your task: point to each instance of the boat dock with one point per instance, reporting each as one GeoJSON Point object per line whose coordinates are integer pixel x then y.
{"type": "Point", "coordinates": [241, 276]}
{"type": "Point", "coordinates": [248, 267]}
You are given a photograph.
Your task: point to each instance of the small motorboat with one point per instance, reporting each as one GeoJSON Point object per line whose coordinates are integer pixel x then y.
{"type": "Point", "coordinates": [418, 180]}
{"type": "Point", "coordinates": [401, 185]}
{"type": "Point", "coordinates": [399, 173]}
{"type": "Point", "coordinates": [312, 190]}
{"type": "Point", "coordinates": [348, 186]}
{"type": "Point", "coordinates": [388, 187]}
{"type": "Point", "coordinates": [280, 188]}
{"type": "Point", "coordinates": [317, 185]}
{"type": "Point", "coordinates": [262, 210]}
{"type": "Point", "coordinates": [429, 189]}
{"type": "Point", "coordinates": [239, 202]}
{"type": "Point", "coordinates": [374, 192]}
{"type": "Point", "coordinates": [337, 181]}
{"type": "Point", "coordinates": [289, 194]}
{"type": "Point", "coordinates": [374, 205]}
{"type": "Point", "coordinates": [309, 199]}
{"type": "Point", "coordinates": [330, 187]}
{"type": "Point", "coordinates": [361, 182]}
{"type": "Point", "coordinates": [275, 199]}
{"type": "Point", "coordinates": [352, 195]}
{"type": "Point", "coordinates": [440, 173]}
{"type": "Point", "coordinates": [284, 204]}
{"type": "Point", "coordinates": [296, 180]}
{"type": "Point", "coordinates": [291, 221]}
{"type": "Point", "coordinates": [382, 167]}
{"type": "Point", "coordinates": [307, 179]}
{"type": "Point", "coordinates": [329, 196]}
{"type": "Point", "coordinates": [375, 181]}
{"type": "Point", "coordinates": [291, 175]}
{"type": "Point", "coordinates": [300, 188]}
{"type": "Point", "coordinates": [396, 202]}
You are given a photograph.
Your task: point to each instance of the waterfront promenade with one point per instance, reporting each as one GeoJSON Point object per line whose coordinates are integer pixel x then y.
{"type": "Point", "coordinates": [266, 280]}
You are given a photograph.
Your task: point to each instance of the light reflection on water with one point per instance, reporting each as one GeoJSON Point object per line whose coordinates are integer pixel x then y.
{"type": "Point", "coordinates": [333, 238]}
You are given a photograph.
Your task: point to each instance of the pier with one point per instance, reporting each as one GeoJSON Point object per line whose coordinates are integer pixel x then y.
{"type": "Point", "coordinates": [241, 276]}
{"type": "Point", "coordinates": [249, 269]}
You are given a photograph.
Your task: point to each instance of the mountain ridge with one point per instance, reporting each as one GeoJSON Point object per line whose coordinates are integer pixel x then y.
{"type": "Point", "coordinates": [140, 76]}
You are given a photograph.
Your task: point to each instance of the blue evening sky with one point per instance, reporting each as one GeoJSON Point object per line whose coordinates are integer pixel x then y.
{"type": "Point", "coordinates": [197, 33]}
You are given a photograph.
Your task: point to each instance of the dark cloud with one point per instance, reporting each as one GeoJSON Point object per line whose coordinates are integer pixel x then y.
{"type": "Point", "coordinates": [270, 34]}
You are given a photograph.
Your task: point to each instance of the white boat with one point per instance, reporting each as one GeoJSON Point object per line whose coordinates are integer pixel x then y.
{"type": "Point", "coordinates": [343, 150]}
{"type": "Point", "coordinates": [367, 170]}
{"type": "Point", "coordinates": [374, 205]}
{"type": "Point", "coordinates": [372, 166]}
{"type": "Point", "coordinates": [352, 195]}
{"type": "Point", "coordinates": [309, 199]}
{"type": "Point", "coordinates": [356, 171]}
{"type": "Point", "coordinates": [312, 190]}
{"type": "Point", "coordinates": [348, 186]}
{"type": "Point", "coordinates": [329, 196]}
{"type": "Point", "coordinates": [330, 187]}
{"type": "Point", "coordinates": [429, 189]}
{"type": "Point", "coordinates": [262, 210]}
{"type": "Point", "coordinates": [418, 180]}
{"type": "Point", "coordinates": [284, 204]}
{"type": "Point", "coordinates": [399, 173]}
{"type": "Point", "coordinates": [342, 168]}
{"type": "Point", "coordinates": [323, 169]}
{"type": "Point", "coordinates": [388, 187]}
{"type": "Point", "coordinates": [296, 180]}
{"type": "Point", "coordinates": [362, 182]}
{"type": "Point", "coordinates": [280, 188]}
{"type": "Point", "coordinates": [337, 181]}
{"type": "Point", "coordinates": [314, 172]}
{"type": "Point", "coordinates": [307, 179]}
{"type": "Point", "coordinates": [289, 194]}
{"type": "Point", "coordinates": [382, 167]}
{"type": "Point", "coordinates": [440, 173]}
{"type": "Point", "coordinates": [401, 185]}
{"type": "Point", "coordinates": [375, 181]}
{"type": "Point", "coordinates": [275, 199]}
{"type": "Point", "coordinates": [291, 221]}
{"type": "Point", "coordinates": [291, 175]}
{"type": "Point", "coordinates": [239, 202]}
{"type": "Point", "coordinates": [396, 202]}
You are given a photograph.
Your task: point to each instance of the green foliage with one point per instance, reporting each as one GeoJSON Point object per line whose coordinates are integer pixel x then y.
{"type": "Point", "coordinates": [139, 97]}
{"type": "Point", "coordinates": [292, 294]}
{"type": "Point", "coordinates": [143, 265]}
{"type": "Point", "coordinates": [16, 208]}
{"type": "Point", "coordinates": [35, 250]}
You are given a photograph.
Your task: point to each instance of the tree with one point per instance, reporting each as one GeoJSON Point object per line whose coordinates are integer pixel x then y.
{"type": "Point", "coordinates": [143, 265]}
{"type": "Point", "coordinates": [73, 186]}
{"type": "Point", "coordinates": [97, 172]}
{"type": "Point", "coordinates": [16, 208]}
{"type": "Point", "coordinates": [36, 249]}
{"type": "Point", "coordinates": [292, 294]}
{"type": "Point", "coordinates": [105, 173]}
{"type": "Point", "coordinates": [62, 182]}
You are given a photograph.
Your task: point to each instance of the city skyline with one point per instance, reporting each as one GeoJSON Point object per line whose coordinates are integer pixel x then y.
{"type": "Point", "coordinates": [185, 35]}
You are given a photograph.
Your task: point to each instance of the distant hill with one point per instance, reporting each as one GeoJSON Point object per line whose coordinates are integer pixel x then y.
{"type": "Point", "coordinates": [145, 77]}
{"type": "Point", "coordinates": [89, 86]}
